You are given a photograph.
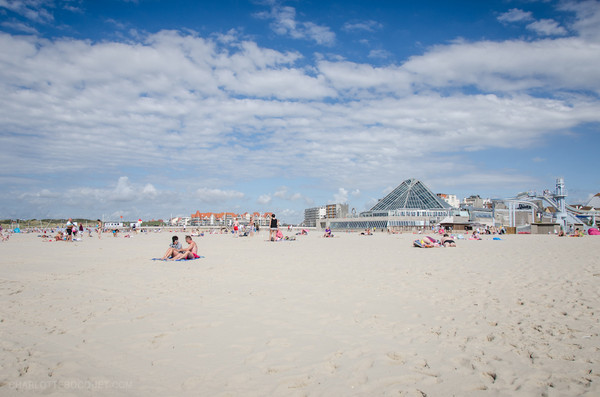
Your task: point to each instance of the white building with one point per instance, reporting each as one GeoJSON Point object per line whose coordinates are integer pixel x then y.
{"type": "Point", "coordinates": [451, 199]}
{"type": "Point", "coordinates": [180, 221]}
{"type": "Point", "coordinates": [313, 215]}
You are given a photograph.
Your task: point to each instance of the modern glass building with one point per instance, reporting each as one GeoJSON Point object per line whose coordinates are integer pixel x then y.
{"type": "Point", "coordinates": [410, 194]}
{"type": "Point", "coordinates": [410, 205]}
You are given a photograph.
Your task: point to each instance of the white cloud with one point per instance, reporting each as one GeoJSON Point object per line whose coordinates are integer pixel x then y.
{"type": "Point", "coordinates": [587, 18]}
{"type": "Point", "coordinates": [547, 27]}
{"type": "Point", "coordinates": [149, 190]}
{"type": "Point", "coordinates": [510, 66]}
{"type": "Point", "coordinates": [379, 54]}
{"type": "Point", "coordinates": [285, 23]}
{"type": "Point", "coordinates": [367, 26]}
{"type": "Point", "coordinates": [208, 195]}
{"type": "Point", "coordinates": [341, 196]}
{"type": "Point", "coordinates": [285, 194]}
{"type": "Point", "coordinates": [264, 199]}
{"type": "Point", "coordinates": [19, 26]}
{"type": "Point", "coordinates": [496, 180]}
{"type": "Point", "coordinates": [515, 15]}
{"type": "Point", "coordinates": [289, 213]}
{"type": "Point", "coordinates": [123, 191]}
{"type": "Point", "coordinates": [187, 109]}
{"type": "Point", "coordinates": [34, 10]}
{"type": "Point", "coordinates": [354, 78]}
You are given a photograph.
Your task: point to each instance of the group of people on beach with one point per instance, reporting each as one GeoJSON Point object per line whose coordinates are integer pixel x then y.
{"type": "Point", "coordinates": [73, 231]}
{"type": "Point", "coordinates": [3, 237]}
{"type": "Point", "coordinates": [177, 252]}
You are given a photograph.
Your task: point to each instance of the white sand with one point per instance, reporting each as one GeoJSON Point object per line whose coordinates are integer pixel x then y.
{"type": "Point", "coordinates": [353, 315]}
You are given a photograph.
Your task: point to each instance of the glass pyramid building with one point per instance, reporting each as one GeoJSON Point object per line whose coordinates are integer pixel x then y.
{"type": "Point", "coordinates": [410, 194]}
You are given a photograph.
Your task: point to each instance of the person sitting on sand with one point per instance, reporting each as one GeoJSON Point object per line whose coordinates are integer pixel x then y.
{"type": "Point", "coordinates": [448, 241]}
{"type": "Point", "coordinates": [191, 252]}
{"type": "Point", "coordinates": [475, 235]}
{"type": "Point", "coordinates": [174, 248]}
{"type": "Point", "coordinates": [328, 233]}
{"type": "Point", "coordinates": [577, 233]}
{"type": "Point", "coordinates": [59, 236]}
{"type": "Point", "coordinates": [367, 232]}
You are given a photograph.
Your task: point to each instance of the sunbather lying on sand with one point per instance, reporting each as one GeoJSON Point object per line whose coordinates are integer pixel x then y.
{"type": "Point", "coordinates": [448, 241]}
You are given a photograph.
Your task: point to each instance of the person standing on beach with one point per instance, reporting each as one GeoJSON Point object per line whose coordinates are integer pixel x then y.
{"type": "Point", "coordinates": [251, 226]}
{"type": "Point", "coordinates": [273, 228]}
{"type": "Point", "coordinates": [99, 229]}
{"type": "Point", "coordinates": [69, 228]}
{"type": "Point", "coordinates": [236, 227]}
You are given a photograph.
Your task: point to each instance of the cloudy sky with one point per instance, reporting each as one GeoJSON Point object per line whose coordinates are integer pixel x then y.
{"type": "Point", "coordinates": [154, 108]}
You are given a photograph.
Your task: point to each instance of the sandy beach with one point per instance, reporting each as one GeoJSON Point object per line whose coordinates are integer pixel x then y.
{"type": "Point", "coordinates": [349, 316]}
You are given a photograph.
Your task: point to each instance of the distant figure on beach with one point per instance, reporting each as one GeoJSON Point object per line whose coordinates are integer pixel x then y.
{"type": "Point", "coordinates": [59, 236]}
{"type": "Point", "coordinates": [578, 233]}
{"type": "Point", "coordinates": [236, 227]}
{"type": "Point", "coordinates": [447, 241]}
{"type": "Point", "coordinates": [273, 228]}
{"type": "Point", "coordinates": [99, 228]}
{"type": "Point", "coordinates": [174, 248]}
{"type": "Point", "coordinates": [328, 233]}
{"type": "Point", "coordinates": [426, 242]}
{"type": "Point", "coordinates": [475, 235]}
{"type": "Point", "coordinates": [367, 232]}
{"type": "Point", "coordinates": [191, 252]}
{"type": "Point", "coordinates": [69, 229]}
{"type": "Point", "coordinates": [251, 226]}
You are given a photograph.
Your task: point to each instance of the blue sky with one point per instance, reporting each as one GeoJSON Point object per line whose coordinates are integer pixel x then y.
{"type": "Point", "coordinates": [152, 108]}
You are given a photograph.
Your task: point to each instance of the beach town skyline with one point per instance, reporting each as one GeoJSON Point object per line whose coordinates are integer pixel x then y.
{"type": "Point", "coordinates": [145, 109]}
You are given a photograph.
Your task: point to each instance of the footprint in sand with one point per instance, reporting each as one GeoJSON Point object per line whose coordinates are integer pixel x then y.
{"type": "Point", "coordinates": [397, 357]}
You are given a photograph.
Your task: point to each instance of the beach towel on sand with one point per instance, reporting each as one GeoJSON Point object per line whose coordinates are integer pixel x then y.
{"type": "Point", "coordinates": [421, 244]}
{"type": "Point", "coordinates": [177, 260]}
